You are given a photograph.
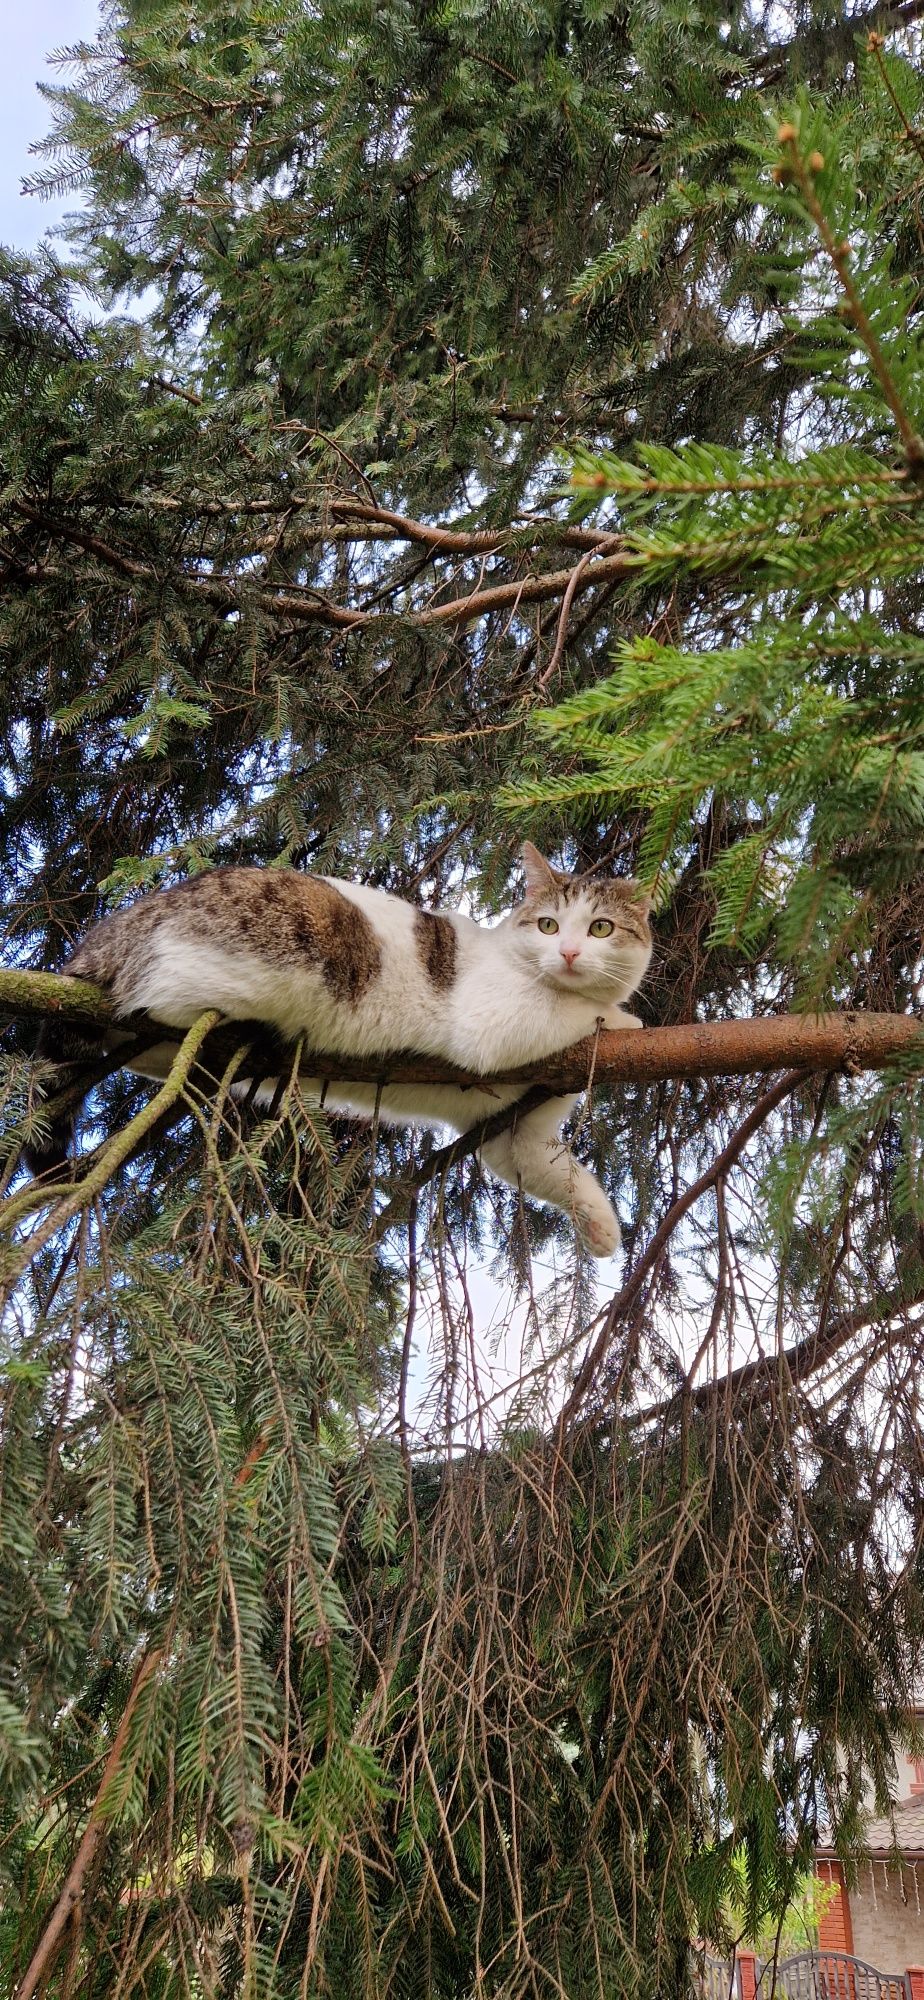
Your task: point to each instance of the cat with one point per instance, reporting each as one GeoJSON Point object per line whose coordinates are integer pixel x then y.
{"type": "Point", "coordinates": [359, 973]}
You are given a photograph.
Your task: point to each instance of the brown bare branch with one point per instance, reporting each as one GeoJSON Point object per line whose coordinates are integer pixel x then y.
{"type": "Point", "coordinates": [805, 1357]}
{"type": "Point", "coordinates": [359, 518]}
{"type": "Point", "coordinates": [68, 1903]}
{"type": "Point", "coordinates": [624, 1298]}
{"type": "Point", "coordinates": [445, 1157]}
{"type": "Point", "coordinates": [307, 605]}
{"type": "Point", "coordinates": [807, 1042]}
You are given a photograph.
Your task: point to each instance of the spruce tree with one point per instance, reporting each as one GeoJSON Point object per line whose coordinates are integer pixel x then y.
{"type": "Point", "coordinates": [517, 429]}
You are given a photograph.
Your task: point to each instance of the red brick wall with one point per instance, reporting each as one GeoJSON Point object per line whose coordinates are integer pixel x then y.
{"type": "Point", "coordinates": [835, 1931]}
{"type": "Point", "coordinates": [747, 1975]}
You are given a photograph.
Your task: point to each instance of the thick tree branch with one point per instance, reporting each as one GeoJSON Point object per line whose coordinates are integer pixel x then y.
{"type": "Point", "coordinates": [809, 1042]}
{"type": "Point", "coordinates": [801, 1043]}
{"type": "Point", "coordinates": [47, 996]}
{"type": "Point", "coordinates": [790, 1365]}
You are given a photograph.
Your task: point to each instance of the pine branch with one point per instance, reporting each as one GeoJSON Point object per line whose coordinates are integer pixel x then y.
{"type": "Point", "coordinates": [794, 1364]}
{"type": "Point", "coordinates": [69, 1201]}
{"type": "Point", "coordinates": [475, 541]}
{"type": "Point", "coordinates": [68, 1903]}
{"type": "Point", "coordinates": [853, 1041]}
{"type": "Point", "coordinates": [839, 253]}
{"type": "Point", "coordinates": [619, 1305]}
{"type": "Point", "coordinates": [356, 517]}
{"type": "Point", "coordinates": [313, 607]}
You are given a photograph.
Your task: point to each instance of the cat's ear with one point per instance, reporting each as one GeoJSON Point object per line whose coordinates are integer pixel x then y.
{"type": "Point", "coordinates": [541, 879]}
{"type": "Point", "coordinates": [641, 897]}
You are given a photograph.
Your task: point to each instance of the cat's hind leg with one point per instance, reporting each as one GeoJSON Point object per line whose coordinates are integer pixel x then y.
{"type": "Point", "coordinates": [534, 1157]}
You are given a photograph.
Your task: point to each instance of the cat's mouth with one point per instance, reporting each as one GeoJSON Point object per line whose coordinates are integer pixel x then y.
{"type": "Point", "coordinates": [608, 988]}
{"type": "Point", "coordinates": [569, 976]}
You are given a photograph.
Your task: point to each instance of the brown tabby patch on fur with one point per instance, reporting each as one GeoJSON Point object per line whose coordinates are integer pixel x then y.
{"type": "Point", "coordinates": [437, 947]}
{"type": "Point", "coordinates": [279, 915]}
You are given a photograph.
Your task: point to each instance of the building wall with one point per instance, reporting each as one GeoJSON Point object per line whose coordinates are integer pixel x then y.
{"type": "Point", "coordinates": [886, 1916]}
{"type": "Point", "coordinates": [835, 1930]}
{"type": "Point", "coordinates": [909, 1773]}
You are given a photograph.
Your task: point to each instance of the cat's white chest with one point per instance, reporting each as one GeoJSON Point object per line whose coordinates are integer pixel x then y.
{"type": "Point", "coordinates": [499, 1019]}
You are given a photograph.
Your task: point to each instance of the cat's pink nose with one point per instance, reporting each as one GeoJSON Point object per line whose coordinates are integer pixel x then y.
{"type": "Point", "coordinates": [570, 956]}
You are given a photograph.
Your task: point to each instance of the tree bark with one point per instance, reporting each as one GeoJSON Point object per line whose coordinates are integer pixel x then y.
{"type": "Point", "coordinates": [851, 1041]}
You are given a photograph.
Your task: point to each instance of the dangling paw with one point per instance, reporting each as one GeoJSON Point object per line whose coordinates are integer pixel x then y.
{"type": "Point", "coordinates": [598, 1226]}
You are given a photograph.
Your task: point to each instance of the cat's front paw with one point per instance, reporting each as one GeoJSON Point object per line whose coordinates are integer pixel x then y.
{"type": "Point", "coordinates": [598, 1228]}
{"type": "Point", "coordinates": [617, 1019]}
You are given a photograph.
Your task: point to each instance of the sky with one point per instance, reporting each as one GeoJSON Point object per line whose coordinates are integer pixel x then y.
{"type": "Point", "coordinates": [31, 29]}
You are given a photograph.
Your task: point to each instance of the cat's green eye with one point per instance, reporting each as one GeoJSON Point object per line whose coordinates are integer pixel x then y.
{"type": "Point", "coordinates": [601, 927]}
{"type": "Point", "coordinates": [548, 925]}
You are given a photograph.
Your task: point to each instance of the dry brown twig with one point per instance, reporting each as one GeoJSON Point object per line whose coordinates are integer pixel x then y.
{"type": "Point", "coordinates": [647, 1263]}
{"type": "Point", "coordinates": [67, 1908]}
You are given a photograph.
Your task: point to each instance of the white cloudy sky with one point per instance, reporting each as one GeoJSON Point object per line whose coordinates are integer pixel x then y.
{"type": "Point", "coordinates": [31, 29]}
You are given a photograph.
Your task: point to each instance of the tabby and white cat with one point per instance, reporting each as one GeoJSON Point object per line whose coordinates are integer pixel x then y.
{"type": "Point", "coordinates": [361, 973]}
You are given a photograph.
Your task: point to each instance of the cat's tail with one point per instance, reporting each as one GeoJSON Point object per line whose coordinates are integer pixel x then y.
{"type": "Point", "coordinates": [74, 1054]}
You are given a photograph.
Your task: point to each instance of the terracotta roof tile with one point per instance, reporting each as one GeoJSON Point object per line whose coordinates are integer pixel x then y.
{"type": "Point", "coordinates": [879, 1839]}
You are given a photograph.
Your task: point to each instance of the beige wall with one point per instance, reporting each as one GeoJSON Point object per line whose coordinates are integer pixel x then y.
{"type": "Point", "coordinates": [887, 1922]}
{"type": "Point", "coordinates": [909, 1778]}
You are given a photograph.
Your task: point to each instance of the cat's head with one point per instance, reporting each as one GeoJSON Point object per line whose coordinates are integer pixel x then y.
{"type": "Point", "coordinates": [582, 934]}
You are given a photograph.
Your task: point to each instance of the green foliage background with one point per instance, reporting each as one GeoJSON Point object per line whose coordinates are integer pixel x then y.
{"type": "Point", "coordinates": [516, 430]}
